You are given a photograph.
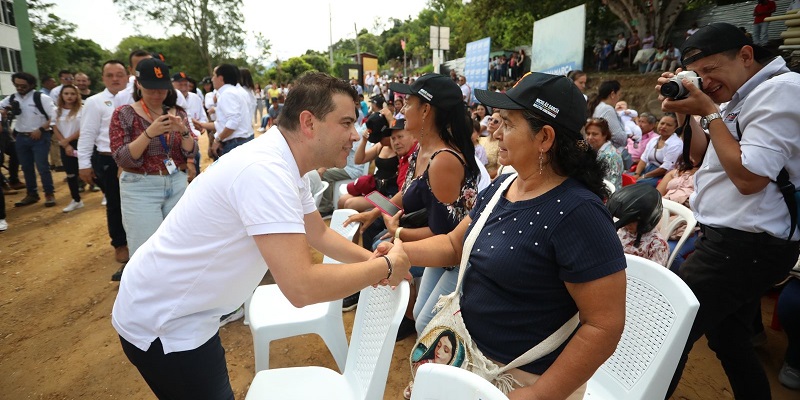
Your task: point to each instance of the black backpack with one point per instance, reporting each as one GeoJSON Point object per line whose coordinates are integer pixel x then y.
{"type": "Point", "coordinates": [37, 100]}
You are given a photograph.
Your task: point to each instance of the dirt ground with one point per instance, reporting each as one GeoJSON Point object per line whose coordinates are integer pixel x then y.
{"type": "Point", "coordinates": [57, 342]}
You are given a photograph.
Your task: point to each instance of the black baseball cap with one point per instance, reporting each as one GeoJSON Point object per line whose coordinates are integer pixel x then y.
{"type": "Point", "coordinates": [554, 98]}
{"type": "Point", "coordinates": [398, 124]}
{"type": "Point", "coordinates": [716, 38]}
{"type": "Point", "coordinates": [438, 90]}
{"type": "Point", "coordinates": [378, 128]}
{"type": "Point", "coordinates": [206, 80]}
{"type": "Point", "coordinates": [180, 76]}
{"type": "Point", "coordinates": [153, 73]}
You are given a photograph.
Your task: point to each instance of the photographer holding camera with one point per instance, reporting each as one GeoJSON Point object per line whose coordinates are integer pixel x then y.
{"type": "Point", "coordinates": [32, 131]}
{"type": "Point", "coordinates": [748, 242]}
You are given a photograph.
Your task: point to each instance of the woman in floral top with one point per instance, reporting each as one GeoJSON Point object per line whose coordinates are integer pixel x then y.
{"type": "Point", "coordinates": [152, 145]}
{"type": "Point", "coordinates": [598, 135]}
{"type": "Point", "coordinates": [441, 179]}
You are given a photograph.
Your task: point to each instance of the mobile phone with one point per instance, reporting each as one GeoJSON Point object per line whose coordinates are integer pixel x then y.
{"type": "Point", "coordinates": [384, 204]}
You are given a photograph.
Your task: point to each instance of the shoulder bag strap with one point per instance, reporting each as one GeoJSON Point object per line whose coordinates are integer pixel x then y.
{"type": "Point", "coordinates": [553, 341]}
{"type": "Point", "coordinates": [37, 100]}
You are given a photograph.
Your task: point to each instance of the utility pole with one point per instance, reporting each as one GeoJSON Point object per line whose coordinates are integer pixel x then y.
{"type": "Point", "coordinates": [330, 35]}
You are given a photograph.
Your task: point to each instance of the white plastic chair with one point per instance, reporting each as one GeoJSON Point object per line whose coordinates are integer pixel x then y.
{"type": "Point", "coordinates": [271, 316]}
{"type": "Point", "coordinates": [318, 193]}
{"type": "Point", "coordinates": [445, 382]}
{"type": "Point", "coordinates": [660, 310]}
{"type": "Point", "coordinates": [377, 319]}
{"type": "Point", "coordinates": [340, 187]}
{"type": "Point", "coordinates": [681, 214]}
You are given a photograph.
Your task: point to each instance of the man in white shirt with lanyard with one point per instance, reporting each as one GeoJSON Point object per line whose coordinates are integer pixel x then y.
{"type": "Point", "coordinates": [32, 132]}
{"type": "Point", "coordinates": [747, 243]}
{"type": "Point", "coordinates": [176, 287]}
{"type": "Point", "coordinates": [233, 127]}
{"type": "Point", "coordinates": [94, 154]}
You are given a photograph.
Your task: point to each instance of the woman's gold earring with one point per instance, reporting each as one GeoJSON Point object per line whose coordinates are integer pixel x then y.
{"type": "Point", "coordinates": [541, 161]}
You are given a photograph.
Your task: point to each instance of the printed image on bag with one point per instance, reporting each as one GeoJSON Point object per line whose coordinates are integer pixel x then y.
{"type": "Point", "coordinates": [441, 346]}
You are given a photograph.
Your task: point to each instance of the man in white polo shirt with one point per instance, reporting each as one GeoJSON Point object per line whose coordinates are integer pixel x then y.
{"type": "Point", "coordinates": [261, 216]}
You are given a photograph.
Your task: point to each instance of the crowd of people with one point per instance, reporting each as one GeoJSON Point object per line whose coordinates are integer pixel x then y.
{"type": "Point", "coordinates": [572, 183]}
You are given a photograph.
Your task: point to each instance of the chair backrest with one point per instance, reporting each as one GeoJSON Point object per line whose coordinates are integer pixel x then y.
{"type": "Point", "coordinates": [660, 309]}
{"type": "Point", "coordinates": [349, 231]}
{"type": "Point", "coordinates": [627, 180]}
{"type": "Point", "coordinates": [445, 382]}
{"type": "Point", "coordinates": [378, 317]}
{"type": "Point", "coordinates": [318, 194]}
{"type": "Point", "coordinates": [669, 224]}
{"type": "Point", "coordinates": [610, 186]}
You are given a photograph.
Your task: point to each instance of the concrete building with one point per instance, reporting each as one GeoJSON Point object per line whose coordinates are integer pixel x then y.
{"type": "Point", "coordinates": [16, 43]}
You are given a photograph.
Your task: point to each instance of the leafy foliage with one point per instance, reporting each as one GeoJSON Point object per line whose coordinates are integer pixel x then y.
{"type": "Point", "coordinates": [213, 25]}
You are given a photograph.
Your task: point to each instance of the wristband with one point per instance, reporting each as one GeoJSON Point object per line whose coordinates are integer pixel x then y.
{"type": "Point", "coordinates": [397, 232]}
{"type": "Point", "coordinates": [185, 134]}
{"type": "Point", "coordinates": [148, 136]}
{"type": "Point", "coordinates": [389, 266]}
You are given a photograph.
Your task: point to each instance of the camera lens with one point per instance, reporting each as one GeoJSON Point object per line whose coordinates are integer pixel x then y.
{"type": "Point", "coordinates": [671, 89]}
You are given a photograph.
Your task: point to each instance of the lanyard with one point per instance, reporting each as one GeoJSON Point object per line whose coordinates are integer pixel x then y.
{"type": "Point", "coordinates": [161, 137]}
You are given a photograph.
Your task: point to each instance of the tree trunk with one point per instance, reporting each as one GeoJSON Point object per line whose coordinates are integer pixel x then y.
{"type": "Point", "coordinates": [657, 16]}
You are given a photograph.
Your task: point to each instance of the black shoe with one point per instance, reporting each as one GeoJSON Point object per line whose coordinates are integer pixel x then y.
{"type": "Point", "coordinates": [406, 329]}
{"type": "Point", "coordinates": [50, 200]}
{"type": "Point", "coordinates": [117, 276]}
{"type": "Point", "coordinates": [59, 168]}
{"type": "Point", "coordinates": [27, 200]}
{"type": "Point", "coordinates": [16, 185]}
{"type": "Point", "coordinates": [349, 303]}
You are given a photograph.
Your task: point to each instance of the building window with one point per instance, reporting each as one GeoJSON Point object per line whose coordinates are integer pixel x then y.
{"type": "Point", "coordinates": [16, 60]}
{"type": "Point", "coordinates": [8, 12]}
{"type": "Point", "coordinates": [5, 63]}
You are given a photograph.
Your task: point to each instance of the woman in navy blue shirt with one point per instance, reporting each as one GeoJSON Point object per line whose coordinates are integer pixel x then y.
{"type": "Point", "coordinates": [548, 250]}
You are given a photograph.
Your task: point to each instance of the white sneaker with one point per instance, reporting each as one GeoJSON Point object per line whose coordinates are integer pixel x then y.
{"type": "Point", "coordinates": [104, 202]}
{"type": "Point", "coordinates": [228, 318]}
{"type": "Point", "coordinates": [262, 130]}
{"type": "Point", "coordinates": [73, 205]}
{"type": "Point", "coordinates": [3, 225]}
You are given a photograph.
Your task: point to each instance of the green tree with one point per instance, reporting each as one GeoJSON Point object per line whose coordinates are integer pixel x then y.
{"type": "Point", "coordinates": [655, 16]}
{"type": "Point", "coordinates": [213, 25]}
{"type": "Point", "coordinates": [57, 48]}
{"type": "Point", "coordinates": [319, 63]}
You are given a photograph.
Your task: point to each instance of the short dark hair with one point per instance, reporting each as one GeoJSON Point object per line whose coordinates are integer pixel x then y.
{"type": "Point", "coordinates": [24, 76]}
{"type": "Point", "coordinates": [313, 92]}
{"type": "Point", "coordinates": [64, 72]}
{"type": "Point", "coordinates": [137, 53]}
{"type": "Point", "coordinates": [230, 73]}
{"type": "Point", "coordinates": [46, 78]}
{"type": "Point", "coordinates": [246, 79]}
{"type": "Point", "coordinates": [112, 61]}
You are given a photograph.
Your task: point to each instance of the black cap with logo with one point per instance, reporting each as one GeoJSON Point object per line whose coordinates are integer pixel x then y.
{"type": "Point", "coordinates": [438, 90]}
{"type": "Point", "coordinates": [180, 76]}
{"type": "Point", "coordinates": [716, 38]}
{"type": "Point", "coordinates": [554, 98]}
{"type": "Point", "coordinates": [153, 73]}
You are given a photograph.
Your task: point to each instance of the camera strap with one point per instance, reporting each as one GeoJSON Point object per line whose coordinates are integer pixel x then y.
{"type": "Point", "coordinates": [37, 100]}
{"type": "Point", "coordinates": [686, 130]}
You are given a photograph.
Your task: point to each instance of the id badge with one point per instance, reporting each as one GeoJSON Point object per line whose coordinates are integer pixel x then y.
{"type": "Point", "coordinates": [171, 168]}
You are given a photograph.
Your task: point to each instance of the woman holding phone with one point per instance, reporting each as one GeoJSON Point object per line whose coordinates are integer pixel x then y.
{"type": "Point", "coordinates": [441, 177]}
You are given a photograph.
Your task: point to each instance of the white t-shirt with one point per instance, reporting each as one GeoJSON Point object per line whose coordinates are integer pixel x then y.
{"type": "Point", "coordinates": [68, 125]}
{"type": "Point", "coordinates": [195, 110]}
{"type": "Point", "coordinates": [193, 270]}
{"type": "Point", "coordinates": [234, 112]}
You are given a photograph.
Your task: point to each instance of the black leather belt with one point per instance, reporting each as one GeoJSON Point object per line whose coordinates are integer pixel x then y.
{"type": "Point", "coordinates": [735, 235]}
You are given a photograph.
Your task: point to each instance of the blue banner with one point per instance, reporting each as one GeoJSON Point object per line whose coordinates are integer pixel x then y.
{"type": "Point", "coordinates": [476, 68]}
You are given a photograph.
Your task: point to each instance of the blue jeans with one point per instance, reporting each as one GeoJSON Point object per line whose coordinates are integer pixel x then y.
{"type": "Point", "coordinates": [228, 145]}
{"type": "Point", "coordinates": [435, 282]}
{"type": "Point", "coordinates": [201, 373]}
{"type": "Point", "coordinates": [33, 155]}
{"type": "Point", "coordinates": [649, 181]}
{"type": "Point", "coordinates": [146, 200]}
{"type": "Point", "coordinates": [761, 33]}
{"type": "Point", "coordinates": [686, 249]}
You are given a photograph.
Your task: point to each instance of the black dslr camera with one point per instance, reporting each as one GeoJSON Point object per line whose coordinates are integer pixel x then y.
{"type": "Point", "coordinates": [14, 107]}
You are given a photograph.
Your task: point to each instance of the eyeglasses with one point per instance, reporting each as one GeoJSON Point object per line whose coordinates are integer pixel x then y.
{"type": "Point", "coordinates": [68, 79]}
{"type": "Point", "coordinates": [494, 121]}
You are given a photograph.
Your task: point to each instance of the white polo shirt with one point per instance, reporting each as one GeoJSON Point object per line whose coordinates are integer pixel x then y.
{"type": "Point", "coordinates": [97, 111]}
{"type": "Point", "coordinates": [769, 118]}
{"type": "Point", "coordinates": [210, 101]}
{"type": "Point", "coordinates": [233, 112]}
{"type": "Point", "coordinates": [193, 270]}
